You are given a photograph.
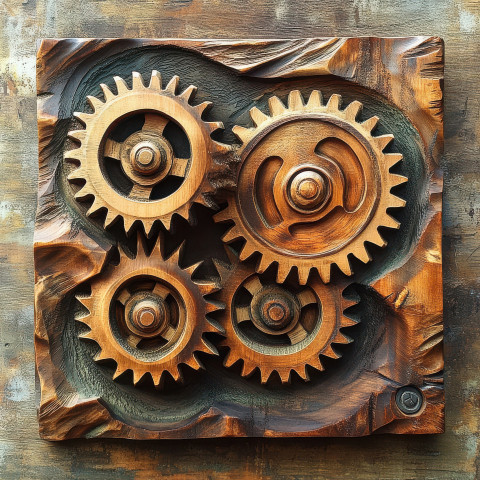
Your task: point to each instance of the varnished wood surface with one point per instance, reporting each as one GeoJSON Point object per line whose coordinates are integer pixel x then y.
{"type": "Point", "coordinates": [452, 455]}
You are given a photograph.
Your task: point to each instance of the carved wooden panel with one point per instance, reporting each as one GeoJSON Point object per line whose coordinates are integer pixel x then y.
{"type": "Point", "coordinates": [255, 255]}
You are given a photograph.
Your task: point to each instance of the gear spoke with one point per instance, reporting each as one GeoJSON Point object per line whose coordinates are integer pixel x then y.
{"type": "Point", "coordinates": [297, 334]}
{"type": "Point", "coordinates": [169, 333]}
{"type": "Point", "coordinates": [123, 296]}
{"type": "Point", "coordinates": [133, 340]}
{"type": "Point", "coordinates": [141, 192]}
{"type": "Point", "coordinates": [155, 123]}
{"type": "Point", "coordinates": [242, 314]}
{"type": "Point", "coordinates": [112, 149]}
{"type": "Point", "coordinates": [179, 167]}
{"type": "Point", "coordinates": [253, 285]}
{"type": "Point", "coordinates": [161, 290]}
{"type": "Point", "coordinates": [306, 297]}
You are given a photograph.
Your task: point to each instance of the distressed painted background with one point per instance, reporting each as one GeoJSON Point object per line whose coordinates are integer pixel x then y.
{"type": "Point", "coordinates": [454, 455]}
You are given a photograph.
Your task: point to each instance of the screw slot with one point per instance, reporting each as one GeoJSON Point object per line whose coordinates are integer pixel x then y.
{"type": "Point", "coordinates": [409, 400]}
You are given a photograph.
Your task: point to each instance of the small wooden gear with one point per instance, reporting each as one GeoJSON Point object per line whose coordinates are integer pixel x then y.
{"type": "Point", "coordinates": [148, 315]}
{"type": "Point", "coordinates": [313, 186]}
{"type": "Point", "coordinates": [146, 157]}
{"type": "Point", "coordinates": [279, 327]}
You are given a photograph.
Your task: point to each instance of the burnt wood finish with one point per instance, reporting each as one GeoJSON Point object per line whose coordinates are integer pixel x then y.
{"type": "Point", "coordinates": [310, 304]}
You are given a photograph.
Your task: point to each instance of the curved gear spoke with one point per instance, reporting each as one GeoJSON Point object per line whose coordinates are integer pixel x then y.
{"type": "Point", "coordinates": [297, 334]}
{"type": "Point", "coordinates": [161, 290]}
{"type": "Point", "coordinates": [253, 285]}
{"type": "Point", "coordinates": [242, 314]}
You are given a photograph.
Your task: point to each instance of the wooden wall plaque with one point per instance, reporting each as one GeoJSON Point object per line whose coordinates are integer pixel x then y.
{"type": "Point", "coordinates": [239, 238]}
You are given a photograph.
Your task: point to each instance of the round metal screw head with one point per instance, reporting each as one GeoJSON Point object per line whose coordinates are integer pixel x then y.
{"type": "Point", "coordinates": [409, 400]}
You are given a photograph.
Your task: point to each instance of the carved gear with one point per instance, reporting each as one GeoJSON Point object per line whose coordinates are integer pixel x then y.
{"type": "Point", "coordinates": [146, 156]}
{"type": "Point", "coordinates": [148, 315]}
{"type": "Point", "coordinates": [279, 327]}
{"type": "Point", "coordinates": [313, 186]}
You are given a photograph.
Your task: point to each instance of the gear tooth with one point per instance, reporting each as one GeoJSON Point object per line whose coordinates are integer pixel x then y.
{"type": "Point", "coordinates": [375, 237]}
{"type": "Point", "coordinates": [383, 140]}
{"type": "Point", "coordinates": [334, 103]}
{"type": "Point", "coordinates": [330, 352]}
{"type": "Point", "coordinates": [191, 268]}
{"type": "Point", "coordinates": [282, 272]}
{"type": "Point", "coordinates": [247, 369]}
{"type": "Point", "coordinates": [83, 117]}
{"type": "Point", "coordinates": [214, 126]}
{"type": "Point", "coordinates": [224, 215]}
{"type": "Point", "coordinates": [206, 288]}
{"type": "Point", "coordinates": [203, 107]}
{"type": "Point", "coordinates": [242, 133]}
{"type": "Point", "coordinates": [315, 100]}
{"type": "Point", "coordinates": [78, 174]}
{"type": "Point", "coordinates": [157, 379]}
{"type": "Point", "coordinates": [209, 348]}
{"type": "Point", "coordinates": [317, 364]}
{"type": "Point", "coordinates": [348, 322]}
{"type": "Point", "coordinates": [392, 159]}
{"type": "Point", "coordinates": [137, 81]}
{"type": "Point", "coordinates": [175, 256]}
{"type": "Point", "coordinates": [341, 338]}
{"type": "Point", "coordinates": [229, 360]}
{"type": "Point", "coordinates": [303, 274]}
{"type": "Point", "coordinates": [87, 302]}
{"type": "Point", "coordinates": [370, 124]}
{"type": "Point", "coordinates": [128, 223]}
{"type": "Point", "coordinates": [344, 265]}
{"type": "Point", "coordinates": [233, 234]}
{"type": "Point", "coordinates": [118, 371]}
{"type": "Point", "coordinates": [188, 93]}
{"type": "Point", "coordinates": [147, 225]}
{"type": "Point", "coordinates": [246, 251]}
{"type": "Point", "coordinates": [78, 135]}
{"type": "Point", "coordinates": [214, 306]}
{"type": "Point", "coordinates": [284, 374]}
{"type": "Point", "coordinates": [75, 154]}
{"type": "Point", "coordinates": [159, 247]}
{"type": "Point", "coordinates": [94, 207]}
{"type": "Point", "coordinates": [83, 193]}
{"type": "Point", "coordinates": [86, 335]}
{"type": "Point", "coordinates": [390, 222]}
{"type": "Point", "coordinates": [257, 116]}
{"type": "Point", "coordinates": [263, 263]}
{"type": "Point", "coordinates": [302, 372]}
{"type": "Point", "coordinates": [265, 375]}
{"type": "Point", "coordinates": [137, 376]}
{"type": "Point", "coordinates": [141, 247]}
{"type": "Point", "coordinates": [276, 106]}
{"type": "Point", "coordinates": [396, 202]}
{"type": "Point", "coordinates": [172, 85]}
{"type": "Point", "coordinates": [352, 110]}
{"type": "Point", "coordinates": [95, 103]}
{"type": "Point", "coordinates": [176, 374]}
{"type": "Point", "coordinates": [107, 93]}
{"type": "Point", "coordinates": [166, 221]}
{"type": "Point", "coordinates": [122, 86]}
{"type": "Point", "coordinates": [397, 179]}
{"type": "Point", "coordinates": [110, 218]}
{"type": "Point", "coordinates": [324, 272]}
{"type": "Point", "coordinates": [295, 100]}
{"type": "Point", "coordinates": [155, 81]}
{"type": "Point", "coordinates": [362, 254]}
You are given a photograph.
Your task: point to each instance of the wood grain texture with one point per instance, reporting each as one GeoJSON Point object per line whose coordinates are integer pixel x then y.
{"type": "Point", "coordinates": [346, 151]}
{"type": "Point", "coordinates": [452, 455]}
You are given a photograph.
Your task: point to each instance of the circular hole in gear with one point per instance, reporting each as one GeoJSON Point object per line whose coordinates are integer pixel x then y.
{"type": "Point", "coordinates": [124, 128]}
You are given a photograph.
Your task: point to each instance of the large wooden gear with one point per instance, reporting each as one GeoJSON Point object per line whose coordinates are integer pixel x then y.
{"type": "Point", "coordinates": [313, 186]}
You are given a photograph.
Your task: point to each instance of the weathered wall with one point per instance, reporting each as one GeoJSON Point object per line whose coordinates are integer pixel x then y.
{"type": "Point", "coordinates": [449, 456]}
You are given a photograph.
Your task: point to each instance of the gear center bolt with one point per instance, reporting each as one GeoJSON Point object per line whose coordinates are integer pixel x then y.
{"type": "Point", "coordinates": [308, 190]}
{"type": "Point", "coordinates": [146, 316]}
{"type": "Point", "coordinates": [147, 158]}
{"type": "Point", "coordinates": [274, 310]}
